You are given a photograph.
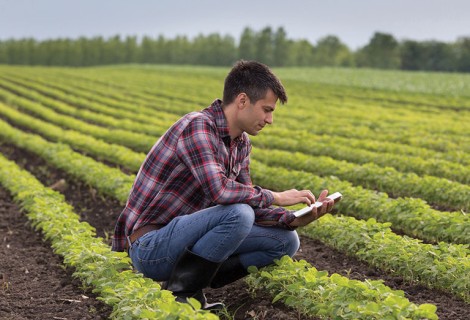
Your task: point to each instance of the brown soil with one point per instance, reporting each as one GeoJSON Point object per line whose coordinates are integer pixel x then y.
{"type": "Point", "coordinates": [34, 285]}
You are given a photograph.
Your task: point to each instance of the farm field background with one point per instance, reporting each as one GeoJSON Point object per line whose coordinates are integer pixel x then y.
{"type": "Point", "coordinates": [396, 144]}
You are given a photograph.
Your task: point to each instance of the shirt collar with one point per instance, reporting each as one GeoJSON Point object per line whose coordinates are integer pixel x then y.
{"type": "Point", "coordinates": [221, 121]}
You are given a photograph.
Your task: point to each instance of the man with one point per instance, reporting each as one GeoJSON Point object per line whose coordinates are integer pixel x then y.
{"type": "Point", "coordinates": [193, 217]}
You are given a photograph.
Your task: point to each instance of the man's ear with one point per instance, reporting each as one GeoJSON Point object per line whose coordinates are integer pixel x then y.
{"type": "Point", "coordinates": [242, 100]}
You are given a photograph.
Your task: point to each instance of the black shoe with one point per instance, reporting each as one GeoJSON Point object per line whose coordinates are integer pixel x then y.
{"type": "Point", "coordinates": [190, 275]}
{"type": "Point", "coordinates": [230, 271]}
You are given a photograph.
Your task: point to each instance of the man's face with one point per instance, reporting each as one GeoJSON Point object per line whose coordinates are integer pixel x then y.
{"type": "Point", "coordinates": [256, 115]}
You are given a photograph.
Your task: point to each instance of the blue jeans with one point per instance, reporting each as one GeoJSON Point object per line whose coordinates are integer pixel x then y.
{"type": "Point", "coordinates": [215, 234]}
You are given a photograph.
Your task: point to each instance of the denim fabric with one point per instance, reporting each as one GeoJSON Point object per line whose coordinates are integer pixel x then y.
{"type": "Point", "coordinates": [215, 234]}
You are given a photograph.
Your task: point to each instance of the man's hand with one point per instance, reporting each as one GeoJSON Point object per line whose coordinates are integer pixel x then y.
{"type": "Point", "coordinates": [316, 213]}
{"type": "Point", "coordinates": [293, 196]}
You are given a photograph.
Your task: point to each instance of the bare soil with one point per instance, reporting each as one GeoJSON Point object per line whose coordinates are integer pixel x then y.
{"type": "Point", "coordinates": [35, 285]}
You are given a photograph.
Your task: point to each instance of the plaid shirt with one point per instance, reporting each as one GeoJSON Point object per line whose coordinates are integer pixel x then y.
{"type": "Point", "coordinates": [195, 165]}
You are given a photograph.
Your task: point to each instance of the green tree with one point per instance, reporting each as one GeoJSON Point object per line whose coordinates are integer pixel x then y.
{"type": "Point", "coordinates": [300, 53]}
{"type": "Point", "coordinates": [462, 48]}
{"type": "Point", "coordinates": [223, 48]}
{"type": "Point", "coordinates": [3, 52]}
{"type": "Point", "coordinates": [247, 46]}
{"type": "Point", "coordinates": [20, 51]}
{"type": "Point", "coordinates": [179, 50]}
{"type": "Point", "coordinates": [74, 53]}
{"type": "Point", "coordinates": [437, 56]}
{"type": "Point", "coordinates": [330, 51]}
{"type": "Point", "coordinates": [131, 50]}
{"type": "Point", "coordinates": [114, 50]}
{"type": "Point", "coordinates": [213, 50]}
{"type": "Point", "coordinates": [57, 52]}
{"type": "Point", "coordinates": [264, 46]}
{"type": "Point", "coordinates": [281, 48]}
{"type": "Point", "coordinates": [411, 55]}
{"type": "Point", "coordinates": [381, 52]}
{"type": "Point", "coordinates": [149, 49]}
{"type": "Point", "coordinates": [92, 50]}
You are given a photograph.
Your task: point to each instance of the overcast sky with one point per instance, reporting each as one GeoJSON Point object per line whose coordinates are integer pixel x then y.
{"type": "Point", "coordinates": [353, 21]}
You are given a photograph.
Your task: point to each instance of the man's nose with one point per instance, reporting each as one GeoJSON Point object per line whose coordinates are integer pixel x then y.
{"type": "Point", "coordinates": [269, 118]}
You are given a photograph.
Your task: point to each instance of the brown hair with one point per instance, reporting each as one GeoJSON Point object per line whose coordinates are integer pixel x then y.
{"type": "Point", "coordinates": [254, 79]}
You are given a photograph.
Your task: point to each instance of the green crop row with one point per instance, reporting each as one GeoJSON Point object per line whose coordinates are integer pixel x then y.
{"type": "Point", "coordinates": [93, 112]}
{"type": "Point", "coordinates": [449, 169]}
{"type": "Point", "coordinates": [98, 100]}
{"type": "Point", "coordinates": [166, 86]}
{"type": "Point", "coordinates": [136, 297]}
{"type": "Point", "coordinates": [109, 181]}
{"type": "Point", "coordinates": [278, 138]}
{"type": "Point", "coordinates": [109, 94]}
{"type": "Point", "coordinates": [137, 109]}
{"type": "Point", "coordinates": [344, 147]}
{"type": "Point", "coordinates": [137, 141]}
{"type": "Point", "coordinates": [411, 215]}
{"type": "Point", "coordinates": [436, 266]}
{"type": "Point", "coordinates": [314, 293]}
{"type": "Point", "coordinates": [434, 89]}
{"type": "Point", "coordinates": [96, 91]}
{"type": "Point", "coordinates": [386, 123]}
{"type": "Point", "coordinates": [117, 184]}
{"type": "Point", "coordinates": [436, 167]}
{"type": "Point", "coordinates": [109, 273]}
{"type": "Point", "coordinates": [436, 191]}
{"type": "Point", "coordinates": [103, 151]}
{"type": "Point", "coordinates": [306, 108]}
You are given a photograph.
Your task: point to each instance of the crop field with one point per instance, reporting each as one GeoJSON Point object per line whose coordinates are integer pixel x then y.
{"type": "Point", "coordinates": [395, 144]}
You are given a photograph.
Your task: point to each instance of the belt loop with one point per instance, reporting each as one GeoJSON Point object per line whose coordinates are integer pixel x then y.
{"type": "Point", "coordinates": [129, 243]}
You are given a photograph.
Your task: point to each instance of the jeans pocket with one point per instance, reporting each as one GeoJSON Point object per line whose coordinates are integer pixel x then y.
{"type": "Point", "coordinates": [156, 269]}
{"type": "Point", "coordinates": [149, 256]}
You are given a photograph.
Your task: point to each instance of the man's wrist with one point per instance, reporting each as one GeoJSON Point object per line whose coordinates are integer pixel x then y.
{"type": "Point", "coordinates": [275, 197]}
{"type": "Point", "coordinates": [269, 198]}
{"type": "Point", "coordinates": [287, 221]}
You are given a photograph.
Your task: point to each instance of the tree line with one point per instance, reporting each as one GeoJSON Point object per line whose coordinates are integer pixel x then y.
{"type": "Point", "coordinates": [272, 47]}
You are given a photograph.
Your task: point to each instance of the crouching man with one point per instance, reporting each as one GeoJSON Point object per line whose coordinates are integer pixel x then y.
{"type": "Point", "coordinates": [193, 218]}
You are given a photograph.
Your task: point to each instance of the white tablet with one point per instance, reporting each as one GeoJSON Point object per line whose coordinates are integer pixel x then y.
{"type": "Point", "coordinates": [335, 196]}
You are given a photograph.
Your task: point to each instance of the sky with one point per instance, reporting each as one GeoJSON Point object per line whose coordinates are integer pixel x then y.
{"type": "Point", "coordinates": [352, 21]}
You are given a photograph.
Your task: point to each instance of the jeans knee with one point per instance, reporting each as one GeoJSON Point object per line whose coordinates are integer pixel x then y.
{"type": "Point", "coordinates": [292, 243]}
{"type": "Point", "coordinates": [244, 214]}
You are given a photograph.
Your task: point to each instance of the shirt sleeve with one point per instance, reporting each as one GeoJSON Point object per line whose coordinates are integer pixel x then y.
{"type": "Point", "coordinates": [197, 149]}
{"type": "Point", "coordinates": [280, 215]}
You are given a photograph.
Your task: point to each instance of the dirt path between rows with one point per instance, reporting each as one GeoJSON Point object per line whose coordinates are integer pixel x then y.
{"type": "Point", "coordinates": [39, 288]}
{"type": "Point", "coordinates": [33, 283]}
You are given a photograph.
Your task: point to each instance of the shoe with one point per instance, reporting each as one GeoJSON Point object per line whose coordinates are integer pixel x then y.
{"type": "Point", "coordinates": [190, 275]}
{"type": "Point", "coordinates": [229, 271]}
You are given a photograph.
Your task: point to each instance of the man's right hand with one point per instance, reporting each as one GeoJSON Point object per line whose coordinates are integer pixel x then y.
{"type": "Point", "coordinates": [315, 213]}
{"type": "Point", "coordinates": [293, 196]}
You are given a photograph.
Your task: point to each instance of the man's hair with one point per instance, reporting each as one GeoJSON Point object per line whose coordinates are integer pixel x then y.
{"type": "Point", "coordinates": [254, 79]}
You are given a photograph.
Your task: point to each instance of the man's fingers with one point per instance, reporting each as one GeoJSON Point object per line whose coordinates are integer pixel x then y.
{"type": "Point", "coordinates": [307, 197]}
{"type": "Point", "coordinates": [310, 196]}
{"type": "Point", "coordinates": [329, 205]}
{"type": "Point", "coordinates": [315, 212]}
{"type": "Point", "coordinates": [323, 195]}
{"type": "Point", "coordinates": [307, 201]}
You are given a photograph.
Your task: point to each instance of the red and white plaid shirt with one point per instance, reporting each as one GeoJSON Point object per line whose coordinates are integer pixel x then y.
{"type": "Point", "coordinates": [195, 165]}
